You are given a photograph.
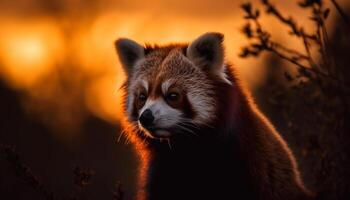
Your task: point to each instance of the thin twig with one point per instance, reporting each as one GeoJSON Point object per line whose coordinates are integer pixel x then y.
{"type": "Point", "coordinates": [271, 9]}
{"type": "Point", "coordinates": [291, 51]}
{"type": "Point", "coordinates": [23, 172]}
{"type": "Point", "coordinates": [341, 12]}
{"type": "Point", "coordinates": [305, 67]}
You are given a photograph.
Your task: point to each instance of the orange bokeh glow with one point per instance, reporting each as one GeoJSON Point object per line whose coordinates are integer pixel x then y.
{"type": "Point", "coordinates": [35, 50]}
{"type": "Point", "coordinates": [104, 99]}
{"type": "Point", "coordinates": [29, 51]}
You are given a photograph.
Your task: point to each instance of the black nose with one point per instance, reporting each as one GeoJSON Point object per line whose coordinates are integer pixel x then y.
{"type": "Point", "coordinates": [146, 119]}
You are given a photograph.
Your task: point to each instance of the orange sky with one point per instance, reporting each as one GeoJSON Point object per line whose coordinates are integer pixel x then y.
{"type": "Point", "coordinates": [41, 40]}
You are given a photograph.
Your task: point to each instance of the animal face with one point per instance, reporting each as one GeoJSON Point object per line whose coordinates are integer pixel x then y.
{"type": "Point", "coordinates": [171, 89]}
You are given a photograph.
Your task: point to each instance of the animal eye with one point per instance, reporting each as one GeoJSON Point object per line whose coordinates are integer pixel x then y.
{"type": "Point", "coordinates": [173, 96]}
{"type": "Point", "coordinates": [142, 97]}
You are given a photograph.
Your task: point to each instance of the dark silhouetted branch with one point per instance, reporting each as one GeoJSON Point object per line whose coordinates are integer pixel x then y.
{"type": "Point", "coordinates": [341, 12]}
{"type": "Point", "coordinates": [23, 172]}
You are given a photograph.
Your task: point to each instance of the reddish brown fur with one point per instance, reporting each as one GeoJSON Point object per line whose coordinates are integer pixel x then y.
{"type": "Point", "coordinates": [261, 165]}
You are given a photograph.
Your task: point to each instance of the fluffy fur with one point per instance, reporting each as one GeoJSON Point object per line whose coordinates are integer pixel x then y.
{"type": "Point", "coordinates": [215, 143]}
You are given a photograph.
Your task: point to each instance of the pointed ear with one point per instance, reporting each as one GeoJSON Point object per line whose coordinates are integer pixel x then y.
{"type": "Point", "coordinates": [207, 52]}
{"type": "Point", "coordinates": [129, 53]}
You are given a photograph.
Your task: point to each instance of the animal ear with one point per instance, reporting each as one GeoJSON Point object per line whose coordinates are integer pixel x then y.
{"type": "Point", "coordinates": [207, 52]}
{"type": "Point", "coordinates": [129, 53]}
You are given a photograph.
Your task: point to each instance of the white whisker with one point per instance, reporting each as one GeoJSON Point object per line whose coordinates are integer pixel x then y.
{"type": "Point", "coordinates": [169, 144]}
{"type": "Point", "coordinates": [186, 129]}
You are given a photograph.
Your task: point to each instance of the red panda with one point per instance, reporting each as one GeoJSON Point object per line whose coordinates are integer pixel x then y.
{"type": "Point", "coordinates": [197, 131]}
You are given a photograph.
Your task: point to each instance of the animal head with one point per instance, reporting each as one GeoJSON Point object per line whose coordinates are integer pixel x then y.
{"type": "Point", "coordinates": [171, 89]}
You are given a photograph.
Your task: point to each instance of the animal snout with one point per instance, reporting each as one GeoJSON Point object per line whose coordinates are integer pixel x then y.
{"type": "Point", "coordinates": [146, 119]}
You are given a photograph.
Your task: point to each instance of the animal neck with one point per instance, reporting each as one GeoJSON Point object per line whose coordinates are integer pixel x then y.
{"type": "Point", "coordinates": [194, 168]}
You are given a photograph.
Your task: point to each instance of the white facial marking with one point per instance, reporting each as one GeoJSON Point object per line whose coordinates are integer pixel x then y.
{"type": "Point", "coordinates": [165, 86]}
{"type": "Point", "coordinates": [144, 84]}
{"type": "Point", "coordinates": [203, 104]}
{"type": "Point", "coordinates": [164, 116]}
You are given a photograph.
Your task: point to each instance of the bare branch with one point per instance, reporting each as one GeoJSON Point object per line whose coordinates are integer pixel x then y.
{"type": "Point", "coordinates": [341, 12]}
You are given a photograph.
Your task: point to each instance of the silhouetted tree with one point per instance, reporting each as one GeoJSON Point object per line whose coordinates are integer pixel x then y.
{"type": "Point", "coordinates": [314, 105]}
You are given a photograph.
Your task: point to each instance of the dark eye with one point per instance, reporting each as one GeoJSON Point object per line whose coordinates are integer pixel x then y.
{"type": "Point", "coordinates": [142, 97]}
{"type": "Point", "coordinates": [173, 96]}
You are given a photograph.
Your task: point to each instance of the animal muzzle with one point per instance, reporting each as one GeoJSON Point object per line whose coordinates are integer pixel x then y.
{"type": "Point", "coordinates": [146, 119]}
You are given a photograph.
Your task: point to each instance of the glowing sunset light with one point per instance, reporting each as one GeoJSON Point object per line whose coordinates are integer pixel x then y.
{"type": "Point", "coordinates": [104, 99]}
{"type": "Point", "coordinates": [79, 47]}
{"type": "Point", "coordinates": [28, 52]}
{"type": "Point", "coordinates": [90, 114]}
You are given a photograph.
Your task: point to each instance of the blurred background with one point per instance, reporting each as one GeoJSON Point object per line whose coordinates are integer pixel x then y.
{"type": "Point", "coordinates": [59, 79]}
